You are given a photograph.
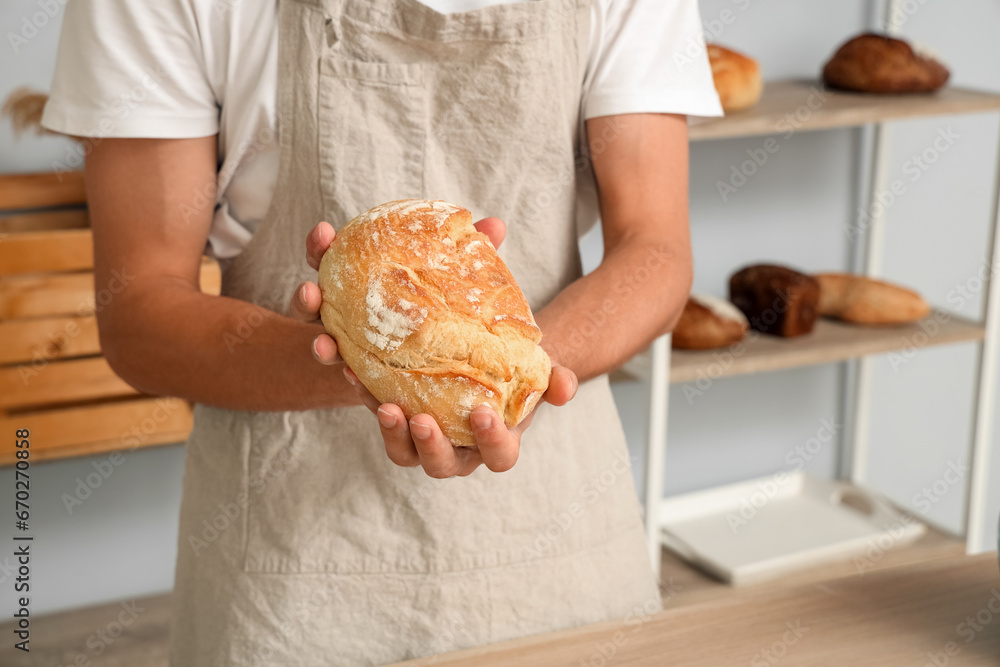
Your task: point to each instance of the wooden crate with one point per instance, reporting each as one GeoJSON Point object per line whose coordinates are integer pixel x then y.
{"type": "Point", "coordinates": [53, 378]}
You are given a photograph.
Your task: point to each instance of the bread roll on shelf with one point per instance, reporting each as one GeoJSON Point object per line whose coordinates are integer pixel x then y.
{"type": "Point", "coordinates": [871, 63]}
{"type": "Point", "coordinates": [862, 300]}
{"type": "Point", "coordinates": [428, 317]}
{"type": "Point", "coordinates": [737, 78]}
{"type": "Point", "coordinates": [708, 323]}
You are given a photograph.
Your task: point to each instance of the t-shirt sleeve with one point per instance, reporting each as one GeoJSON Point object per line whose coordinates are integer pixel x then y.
{"type": "Point", "coordinates": [650, 58]}
{"type": "Point", "coordinates": [131, 69]}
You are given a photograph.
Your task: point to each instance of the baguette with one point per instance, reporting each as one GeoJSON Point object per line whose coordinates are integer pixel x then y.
{"type": "Point", "coordinates": [864, 300]}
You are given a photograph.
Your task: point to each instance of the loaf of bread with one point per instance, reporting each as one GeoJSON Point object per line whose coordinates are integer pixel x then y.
{"type": "Point", "coordinates": [864, 300]}
{"type": "Point", "coordinates": [737, 78]}
{"type": "Point", "coordinates": [873, 63]}
{"type": "Point", "coordinates": [707, 323]}
{"type": "Point", "coordinates": [428, 316]}
{"type": "Point", "coordinates": [777, 300]}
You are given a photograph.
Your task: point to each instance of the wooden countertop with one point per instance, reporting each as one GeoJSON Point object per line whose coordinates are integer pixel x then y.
{"type": "Point", "coordinates": [941, 612]}
{"type": "Point", "coordinates": [889, 618]}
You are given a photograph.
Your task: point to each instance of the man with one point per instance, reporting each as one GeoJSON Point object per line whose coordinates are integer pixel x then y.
{"type": "Point", "coordinates": [311, 531]}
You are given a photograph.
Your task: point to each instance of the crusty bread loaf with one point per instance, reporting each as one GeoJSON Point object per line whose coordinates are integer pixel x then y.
{"type": "Point", "coordinates": [776, 299]}
{"type": "Point", "coordinates": [737, 78]}
{"type": "Point", "coordinates": [872, 63]}
{"type": "Point", "coordinates": [428, 317]}
{"type": "Point", "coordinates": [707, 323]}
{"type": "Point", "coordinates": [864, 300]}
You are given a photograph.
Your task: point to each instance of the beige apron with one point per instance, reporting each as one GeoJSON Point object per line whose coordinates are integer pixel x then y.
{"type": "Point", "coordinates": [300, 542]}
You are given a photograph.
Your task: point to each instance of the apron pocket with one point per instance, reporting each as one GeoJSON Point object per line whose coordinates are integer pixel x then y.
{"type": "Point", "coordinates": [371, 134]}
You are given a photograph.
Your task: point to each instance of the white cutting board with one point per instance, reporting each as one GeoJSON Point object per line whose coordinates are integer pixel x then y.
{"type": "Point", "coordinates": [768, 527]}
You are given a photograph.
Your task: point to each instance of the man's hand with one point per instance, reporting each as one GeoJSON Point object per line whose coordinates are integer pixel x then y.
{"type": "Point", "coordinates": [420, 441]}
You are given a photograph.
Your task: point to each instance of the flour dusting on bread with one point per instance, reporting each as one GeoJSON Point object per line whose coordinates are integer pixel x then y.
{"type": "Point", "coordinates": [428, 316]}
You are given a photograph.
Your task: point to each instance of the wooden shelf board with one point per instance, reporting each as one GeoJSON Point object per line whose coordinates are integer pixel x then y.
{"type": "Point", "coordinates": [57, 188]}
{"type": "Point", "coordinates": [806, 105]}
{"type": "Point", "coordinates": [829, 341]}
{"type": "Point", "coordinates": [97, 429]}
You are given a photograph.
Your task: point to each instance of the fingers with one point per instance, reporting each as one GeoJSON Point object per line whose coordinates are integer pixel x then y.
{"type": "Point", "coordinates": [399, 446]}
{"type": "Point", "coordinates": [493, 228]}
{"type": "Point", "coordinates": [306, 303]}
{"type": "Point", "coordinates": [420, 442]}
{"type": "Point", "coordinates": [370, 401]}
{"type": "Point", "coordinates": [324, 350]}
{"type": "Point", "coordinates": [437, 455]}
{"type": "Point", "coordinates": [317, 241]}
{"type": "Point", "coordinates": [563, 384]}
{"type": "Point", "coordinates": [498, 447]}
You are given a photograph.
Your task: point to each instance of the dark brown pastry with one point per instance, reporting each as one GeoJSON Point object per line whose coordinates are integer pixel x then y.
{"type": "Point", "coordinates": [777, 300]}
{"type": "Point", "coordinates": [877, 64]}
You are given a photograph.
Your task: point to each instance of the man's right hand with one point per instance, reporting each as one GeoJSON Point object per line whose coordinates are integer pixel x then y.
{"type": "Point", "coordinates": [419, 441]}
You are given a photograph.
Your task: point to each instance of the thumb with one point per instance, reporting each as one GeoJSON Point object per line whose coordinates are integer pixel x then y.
{"type": "Point", "coordinates": [493, 228]}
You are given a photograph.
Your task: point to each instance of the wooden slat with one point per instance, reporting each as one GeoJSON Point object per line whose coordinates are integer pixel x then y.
{"type": "Point", "coordinates": [70, 293]}
{"type": "Point", "coordinates": [43, 252]}
{"type": "Point", "coordinates": [122, 425]}
{"type": "Point", "coordinates": [40, 221]}
{"type": "Point", "coordinates": [933, 613]}
{"type": "Point", "coordinates": [30, 385]}
{"type": "Point", "coordinates": [797, 106]}
{"type": "Point", "coordinates": [46, 295]}
{"type": "Point", "coordinates": [48, 338]}
{"type": "Point", "coordinates": [210, 279]}
{"type": "Point", "coordinates": [18, 191]}
{"type": "Point", "coordinates": [829, 341]}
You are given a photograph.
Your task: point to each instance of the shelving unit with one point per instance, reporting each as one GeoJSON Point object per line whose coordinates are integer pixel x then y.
{"type": "Point", "coordinates": [789, 102]}
{"type": "Point", "coordinates": [802, 106]}
{"type": "Point", "coordinates": [830, 341]}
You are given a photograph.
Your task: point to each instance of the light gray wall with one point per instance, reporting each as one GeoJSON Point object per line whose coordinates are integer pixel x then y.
{"type": "Point", "coordinates": [121, 541]}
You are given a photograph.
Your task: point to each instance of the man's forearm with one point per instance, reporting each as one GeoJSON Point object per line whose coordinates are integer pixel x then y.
{"type": "Point", "coordinates": [172, 340]}
{"type": "Point", "coordinates": [604, 318]}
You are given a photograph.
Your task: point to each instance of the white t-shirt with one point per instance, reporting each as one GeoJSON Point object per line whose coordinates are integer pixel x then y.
{"type": "Point", "coordinates": [194, 68]}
